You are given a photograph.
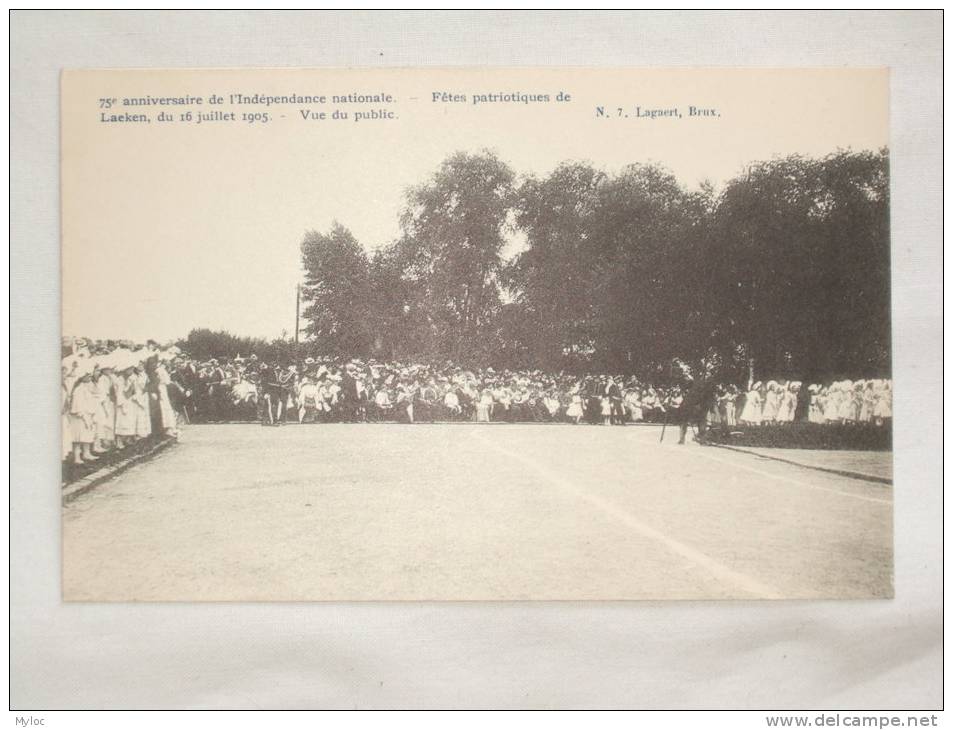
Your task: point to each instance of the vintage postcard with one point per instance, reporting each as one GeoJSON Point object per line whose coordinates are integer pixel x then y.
{"type": "Point", "coordinates": [476, 334]}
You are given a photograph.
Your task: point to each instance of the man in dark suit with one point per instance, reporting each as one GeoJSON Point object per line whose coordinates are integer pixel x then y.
{"type": "Point", "coordinates": [216, 392]}
{"type": "Point", "coordinates": [698, 400]}
{"type": "Point", "coordinates": [349, 395]}
{"type": "Point", "coordinates": [617, 413]}
{"type": "Point", "coordinates": [272, 395]}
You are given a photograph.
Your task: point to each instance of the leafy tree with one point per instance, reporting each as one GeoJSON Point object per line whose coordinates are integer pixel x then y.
{"type": "Point", "coordinates": [337, 293]}
{"type": "Point", "coordinates": [609, 278]}
{"type": "Point", "coordinates": [648, 284]}
{"type": "Point", "coordinates": [803, 266]}
{"type": "Point", "coordinates": [552, 279]}
{"type": "Point", "coordinates": [449, 257]}
{"type": "Point", "coordinates": [204, 344]}
{"type": "Point", "coordinates": [786, 268]}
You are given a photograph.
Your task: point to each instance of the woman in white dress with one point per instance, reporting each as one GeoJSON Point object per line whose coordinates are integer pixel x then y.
{"type": "Point", "coordinates": [451, 401]}
{"type": "Point", "coordinates": [772, 403]}
{"type": "Point", "coordinates": [633, 403]}
{"type": "Point", "coordinates": [484, 409]}
{"type": "Point", "coordinates": [788, 404]}
{"type": "Point", "coordinates": [883, 408]}
{"type": "Point", "coordinates": [382, 403]}
{"type": "Point", "coordinates": [575, 411]}
{"type": "Point", "coordinates": [126, 408]}
{"type": "Point", "coordinates": [845, 402]}
{"type": "Point", "coordinates": [405, 400]}
{"type": "Point", "coordinates": [815, 410]}
{"type": "Point", "coordinates": [857, 401]}
{"type": "Point", "coordinates": [726, 406]}
{"type": "Point", "coordinates": [66, 433]}
{"type": "Point", "coordinates": [868, 402]}
{"type": "Point", "coordinates": [605, 405]}
{"type": "Point", "coordinates": [307, 399]}
{"type": "Point", "coordinates": [106, 415]}
{"type": "Point", "coordinates": [830, 402]}
{"type": "Point", "coordinates": [751, 412]}
{"type": "Point", "coordinates": [165, 404]}
{"type": "Point", "coordinates": [141, 399]}
{"type": "Point", "coordinates": [84, 403]}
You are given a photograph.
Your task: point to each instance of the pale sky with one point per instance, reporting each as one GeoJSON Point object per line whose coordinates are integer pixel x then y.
{"type": "Point", "coordinates": [170, 226]}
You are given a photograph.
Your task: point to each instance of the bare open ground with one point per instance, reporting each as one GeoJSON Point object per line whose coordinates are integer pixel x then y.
{"type": "Point", "coordinates": [382, 512]}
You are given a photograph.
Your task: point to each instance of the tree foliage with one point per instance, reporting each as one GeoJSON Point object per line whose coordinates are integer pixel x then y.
{"type": "Point", "coordinates": [453, 237]}
{"type": "Point", "coordinates": [787, 267]}
{"type": "Point", "coordinates": [204, 344]}
{"type": "Point", "coordinates": [337, 290]}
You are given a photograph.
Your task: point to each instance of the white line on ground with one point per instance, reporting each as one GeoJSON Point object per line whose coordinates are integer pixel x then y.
{"type": "Point", "coordinates": [719, 571]}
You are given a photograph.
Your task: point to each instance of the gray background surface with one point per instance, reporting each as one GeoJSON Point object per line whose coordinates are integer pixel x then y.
{"type": "Point", "coordinates": [884, 654]}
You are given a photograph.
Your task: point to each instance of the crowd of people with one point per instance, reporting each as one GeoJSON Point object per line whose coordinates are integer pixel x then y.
{"type": "Point", "coordinates": [115, 395]}
{"type": "Point", "coordinates": [842, 401]}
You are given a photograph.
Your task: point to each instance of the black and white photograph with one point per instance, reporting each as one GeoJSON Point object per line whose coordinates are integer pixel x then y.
{"type": "Point", "coordinates": [462, 335]}
{"type": "Point", "coordinates": [476, 360]}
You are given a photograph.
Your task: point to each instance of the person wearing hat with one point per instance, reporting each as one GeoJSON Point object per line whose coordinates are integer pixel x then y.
{"type": "Point", "coordinates": [605, 409]}
{"type": "Point", "coordinates": [66, 431]}
{"type": "Point", "coordinates": [288, 378]}
{"type": "Point", "coordinates": [166, 412]}
{"type": "Point", "coordinates": [802, 405]}
{"type": "Point", "coordinates": [383, 405]}
{"type": "Point", "coordinates": [751, 412]}
{"type": "Point", "coordinates": [699, 399]}
{"type": "Point", "coordinates": [187, 377]}
{"type": "Point", "coordinates": [857, 401]}
{"type": "Point", "coordinates": [308, 397]}
{"type": "Point", "coordinates": [788, 404]}
{"type": "Point", "coordinates": [451, 403]}
{"type": "Point", "coordinates": [648, 398]}
{"type": "Point", "coordinates": [83, 405]}
{"type": "Point", "coordinates": [575, 410]}
{"type": "Point", "coordinates": [273, 395]}
{"type": "Point", "coordinates": [484, 406]}
{"type": "Point", "coordinates": [215, 391]}
{"type": "Point", "coordinates": [616, 409]}
{"type": "Point", "coordinates": [141, 399]}
{"type": "Point", "coordinates": [106, 414]}
{"type": "Point", "coordinates": [812, 404]}
{"type": "Point", "coordinates": [845, 401]}
{"type": "Point", "coordinates": [772, 403]}
{"type": "Point", "coordinates": [632, 400]}
{"type": "Point", "coordinates": [426, 406]}
{"type": "Point", "coordinates": [125, 405]}
{"type": "Point", "coordinates": [406, 397]}
{"type": "Point", "coordinates": [348, 400]}
{"type": "Point", "coordinates": [883, 407]}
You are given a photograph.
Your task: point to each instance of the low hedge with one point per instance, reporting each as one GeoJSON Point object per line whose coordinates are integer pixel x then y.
{"type": "Point", "coordinates": [848, 436]}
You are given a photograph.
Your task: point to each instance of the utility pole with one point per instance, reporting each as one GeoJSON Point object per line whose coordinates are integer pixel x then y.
{"type": "Point", "coordinates": [297, 316]}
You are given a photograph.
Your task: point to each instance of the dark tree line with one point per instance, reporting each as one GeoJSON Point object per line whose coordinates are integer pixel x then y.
{"type": "Point", "coordinates": [204, 344]}
{"type": "Point", "coordinates": [786, 268]}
